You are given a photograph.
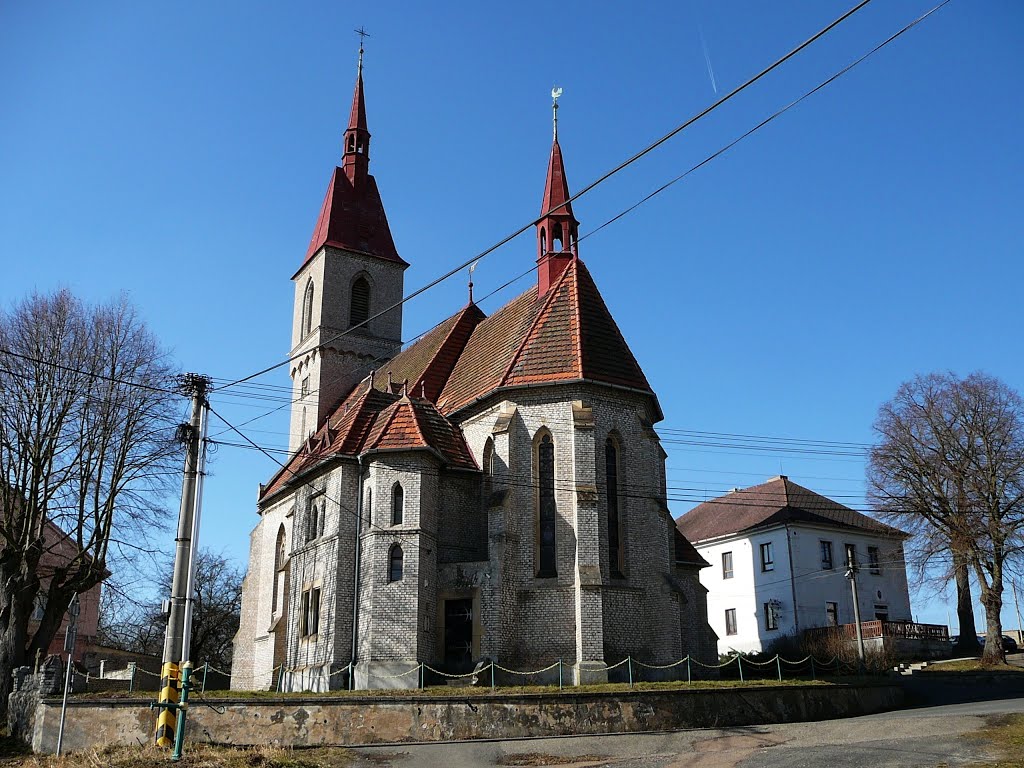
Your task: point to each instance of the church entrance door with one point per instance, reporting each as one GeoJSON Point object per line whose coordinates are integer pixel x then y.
{"type": "Point", "coordinates": [458, 635]}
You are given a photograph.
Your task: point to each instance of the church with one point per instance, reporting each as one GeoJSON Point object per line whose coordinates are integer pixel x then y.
{"type": "Point", "coordinates": [493, 492]}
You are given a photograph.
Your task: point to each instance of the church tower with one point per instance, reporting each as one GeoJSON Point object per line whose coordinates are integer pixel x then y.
{"type": "Point", "coordinates": [557, 229]}
{"type": "Point", "coordinates": [351, 273]}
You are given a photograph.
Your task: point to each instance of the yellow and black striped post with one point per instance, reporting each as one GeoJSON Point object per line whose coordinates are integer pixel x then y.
{"type": "Point", "coordinates": [167, 718]}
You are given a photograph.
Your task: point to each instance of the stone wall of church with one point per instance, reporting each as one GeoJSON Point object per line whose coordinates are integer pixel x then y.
{"type": "Point", "coordinates": [253, 659]}
{"type": "Point", "coordinates": [539, 622]}
{"type": "Point", "coordinates": [396, 616]}
{"type": "Point", "coordinates": [462, 518]}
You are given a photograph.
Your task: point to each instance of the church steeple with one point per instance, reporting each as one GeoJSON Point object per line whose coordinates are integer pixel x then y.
{"type": "Point", "coordinates": [557, 229]}
{"type": "Point", "coordinates": [356, 156]}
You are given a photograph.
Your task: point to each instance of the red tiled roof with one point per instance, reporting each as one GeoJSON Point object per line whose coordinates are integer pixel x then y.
{"type": "Point", "coordinates": [427, 364]}
{"type": "Point", "coordinates": [568, 334]}
{"type": "Point", "coordinates": [353, 218]}
{"type": "Point", "coordinates": [556, 186]}
{"type": "Point", "coordinates": [776, 502]}
{"type": "Point", "coordinates": [411, 424]}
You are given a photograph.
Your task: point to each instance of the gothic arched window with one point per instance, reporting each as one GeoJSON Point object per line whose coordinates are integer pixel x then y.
{"type": "Point", "coordinates": [311, 522]}
{"type": "Point", "coordinates": [395, 563]}
{"type": "Point", "coordinates": [488, 467]}
{"type": "Point", "coordinates": [556, 237]}
{"type": "Point", "coordinates": [543, 241]}
{"type": "Point", "coordinates": [611, 470]}
{"type": "Point", "coordinates": [359, 308]}
{"type": "Point", "coordinates": [307, 309]}
{"type": "Point", "coordinates": [546, 511]}
{"type": "Point", "coordinates": [279, 555]}
{"type": "Point", "coordinates": [397, 504]}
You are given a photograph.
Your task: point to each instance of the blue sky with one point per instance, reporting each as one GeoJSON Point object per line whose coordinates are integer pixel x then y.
{"type": "Point", "coordinates": [180, 152]}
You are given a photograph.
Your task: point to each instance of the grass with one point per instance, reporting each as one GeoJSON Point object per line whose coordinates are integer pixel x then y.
{"type": "Point", "coordinates": [1006, 734]}
{"type": "Point", "coordinates": [195, 756]}
{"type": "Point", "coordinates": [454, 692]}
{"type": "Point", "coordinates": [974, 665]}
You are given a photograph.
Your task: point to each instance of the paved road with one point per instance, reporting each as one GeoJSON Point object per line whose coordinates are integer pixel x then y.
{"type": "Point", "coordinates": [918, 737]}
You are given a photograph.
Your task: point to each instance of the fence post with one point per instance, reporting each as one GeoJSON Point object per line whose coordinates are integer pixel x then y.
{"type": "Point", "coordinates": [131, 678]}
{"type": "Point", "coordinates": [351, 674]}
{"type": "Point", "coordinates": [739, 665]}
{"type": "Point", "coordinates": [492, 676]}
{"type": "Point", "coordinates": [689, 679]}
{"type": "Point", "coordinates": [778, 663]}
{"type": "Point", "coordinates": [206, 669]}
{"type": "Point", "coordinates": [421, 675]}
{"type": "Point", "coordinates": [559, 673]}
{"type": "Point", "coordinates": [629, 664]}
{"type": "Point", "coordinates": [813, 675]}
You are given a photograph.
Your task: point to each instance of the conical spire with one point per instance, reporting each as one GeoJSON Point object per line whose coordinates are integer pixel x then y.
{"type": "Point", "coordinates": [357, 117]}
{"type": "Point", "coordinates": [356, 157]}
{"type": "Point", "coordinates": [557, 229]}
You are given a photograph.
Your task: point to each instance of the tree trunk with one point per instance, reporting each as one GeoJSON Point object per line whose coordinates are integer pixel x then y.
{"type": "Point", "coordinates": [992, 600]}
{"type": "Point", "coordinates": [967, 642]}
{"type": "Point", "coordinates": [15, 611]}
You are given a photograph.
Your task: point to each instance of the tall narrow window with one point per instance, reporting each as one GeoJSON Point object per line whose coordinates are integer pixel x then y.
{"type": "Point", "coordinates": [397, 504]}
{"type": "Point", "coordinates": [827, 563]}
{"type": "Point", "coordinates": [727, 565]}
{"type": "Point", "coordinates": [307, 310]}
{"type": "Point", "coordinates": [309, 612]}
{"type": "Point", "coordinates": [611, 468]}
{"type": "Point", "coordinates": [368, 512]}
{"type": "Point", "coordinates": [767, 556]}
{"type": "Point", "coordinates": [279, 554]}
{"type": "Point", "coordinates": [771, 617]}
{"type": "Point", "coordinates": [488, 467]}
{"type": "Point", "coordinates": [395, 563]}
{"type": "Point", "coordinates": [730, 621]}
{"type": "Point", "coordinates": [546, 512]}
{"type": "Point", "coordinates": [873, 560]}
{"type": "Point", "coordinates": [832, 614]}
{"type": "Point", "coordinates": [359, 309]}
{"type": "Point", "coordinates": [311, 522]}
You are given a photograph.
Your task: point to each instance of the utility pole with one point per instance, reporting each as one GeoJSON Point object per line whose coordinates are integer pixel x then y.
{"type": "Point", "coordinates": [851, 574]}
{"type": "Point", "coordinates": [192, 436]}
{"type": "Point", "coordinates": [1016, 605]}
{"type": "Point", "coordinates": [70, 634]}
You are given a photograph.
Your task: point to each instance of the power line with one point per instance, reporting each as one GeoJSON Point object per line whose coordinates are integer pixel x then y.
{"type": "Point", "coordinates": [600, 180]}
{"type": "Point", "coordinates": [714, 155]}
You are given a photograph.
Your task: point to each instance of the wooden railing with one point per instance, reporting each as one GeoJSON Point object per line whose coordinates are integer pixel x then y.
{"type": "Point", "coordinates": [905, 630]}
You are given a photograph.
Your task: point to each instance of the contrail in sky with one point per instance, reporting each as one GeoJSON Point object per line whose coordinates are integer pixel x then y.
{"type": "Point", "coordinates": [704, 46]}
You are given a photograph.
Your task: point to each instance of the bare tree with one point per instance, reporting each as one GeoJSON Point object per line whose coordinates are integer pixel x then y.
{"type": "Point", "coordinates": [86, 456]}
{"type": "Point", "coordinates": [130, 626]}
{"type": "Point", "coordinates": [949, 466]}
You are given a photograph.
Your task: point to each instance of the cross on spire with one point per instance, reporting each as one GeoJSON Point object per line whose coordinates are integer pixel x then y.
{"type": "Point", "coordinates": [363, 34]}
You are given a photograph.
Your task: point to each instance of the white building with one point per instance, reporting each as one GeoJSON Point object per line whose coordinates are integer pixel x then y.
{"type": "Point", "coordinates": [779, 554]}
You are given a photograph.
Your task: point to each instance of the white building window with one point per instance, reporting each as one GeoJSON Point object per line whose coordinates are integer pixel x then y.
{"type": "Point", "coordinates": [771, 616]}
{"type": "Point", "coordinates": [832, 614]}
{"type": "Point", "coordinates": [827, 562]}
{"type": "Point", "coordinates": [727, 565]}
{"type": "Point", "coordinates": [873, 560]}
{"type": "Point", "coordinates": [730, 621]}
{"type": "Point", "coordinates": [767, 557]}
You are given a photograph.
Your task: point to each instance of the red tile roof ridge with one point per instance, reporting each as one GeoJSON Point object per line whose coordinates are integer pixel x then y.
{"type": "Point", "coordinates": [573, 267]}
{"type": "Point", "coordinates": [549, 299]}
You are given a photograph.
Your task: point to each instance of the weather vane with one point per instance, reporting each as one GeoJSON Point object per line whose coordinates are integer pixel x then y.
{"type": "Point", "coordinates": [556, 92]}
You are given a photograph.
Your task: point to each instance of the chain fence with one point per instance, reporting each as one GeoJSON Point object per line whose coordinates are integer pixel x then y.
{"type": "Point", "coordinates": [743, 667]}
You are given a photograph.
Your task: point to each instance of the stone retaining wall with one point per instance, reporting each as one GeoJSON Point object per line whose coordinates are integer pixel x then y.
{"type": "Point", "coordinates": [352, 720]}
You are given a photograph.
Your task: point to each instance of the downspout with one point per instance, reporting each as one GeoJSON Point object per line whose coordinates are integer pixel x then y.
{"type": "Point", "coordinates": [355, 577]}
{"type": "Point", "coordinates": [792, 581]}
